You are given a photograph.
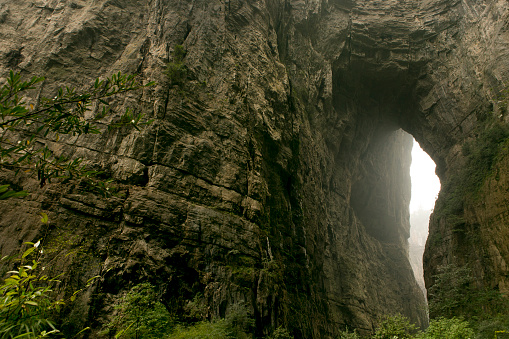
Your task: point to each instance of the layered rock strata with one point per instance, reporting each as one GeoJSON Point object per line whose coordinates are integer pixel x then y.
{"type": "Point", "coordinates": [275, 175]}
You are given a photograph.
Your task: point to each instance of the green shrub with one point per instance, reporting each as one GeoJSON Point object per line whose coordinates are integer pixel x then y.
{"type": "Point", "coordinates": [443, 328]}
{"type": "Point", "coordinates": [455, 294]}
{"type": "Point", "coordinates": [203, 330]}
{"type": "Point", "coordinates": [486, 329]}
{"type": "Point", "coordinates": [346, 334]}
{"type": "Point", "coordinates": [238, 321]}
{"type": "Point", "coordinates": [396, 326]}
{"type": "Point", "coordinates": [237, 324]}
{"type": "Point", "coordinates": [448, 296]}
{"type": "Point", "coordinates": [140, 315]}
{"type": "Point", "coordinates": [280, 333]}
{"type": "Point", "coordinates": [27, 304]}
{"type": "Point", "coordinates": [196, 309]}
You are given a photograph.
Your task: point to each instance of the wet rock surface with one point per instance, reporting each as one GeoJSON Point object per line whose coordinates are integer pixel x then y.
{"type": "Point", "coordinates": [275, 174]}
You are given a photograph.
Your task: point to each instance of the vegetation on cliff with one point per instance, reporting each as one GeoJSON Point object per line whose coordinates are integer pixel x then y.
{"type": "Point", "coordinates": [480, 154]}
{"type": "Point", "coordinates": [28, 127]}
{"type": "Point", "coordinates": [28, 302]}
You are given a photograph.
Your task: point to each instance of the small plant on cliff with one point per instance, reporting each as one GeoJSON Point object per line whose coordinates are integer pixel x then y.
{"type": "Point", "coordinates": [26, 128]}
{"type": "Point", "coordinates": [176, 70]}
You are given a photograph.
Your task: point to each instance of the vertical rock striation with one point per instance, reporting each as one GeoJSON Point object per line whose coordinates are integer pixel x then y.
{"type": "Point", "coordinates": [276, 174]}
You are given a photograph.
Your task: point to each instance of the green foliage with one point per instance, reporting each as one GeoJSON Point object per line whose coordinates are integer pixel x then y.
{"type": "Point", "coordinates": [493, 327]}
{"type": "Point", "coordinates": [176, 70]}
{"type": "Point", "coordinates": [26, 300]}
{"type": "Point", "coordinates": [396, 326]}
{"type": "Point", "coordinates": [399, 327]}
{"type": "Point", "coordinates": [455, 294]}
{"type": "Point", "coordinates": [203, 330]}
{"type": "Point", "coordinates": [239, 322]}
{"type": "Point", "coordinates": [443, 328]}
{"type": "Point", "coordinates": [481, 155]}
{"type": "Point", "coordinates": [6, 193]}
{"type": "Point", "coordinates": [196, 309]}
{"type": "Point", "coordinates": [281, 333]}
{"type": "Point", "coordinates": [141, 315]}
{"type": "Point", "coordinates": [346, 334]}
{"type": "Point", "coordinates": [447, 296]}
{"type": "Point", "coordinates": [69, 112]}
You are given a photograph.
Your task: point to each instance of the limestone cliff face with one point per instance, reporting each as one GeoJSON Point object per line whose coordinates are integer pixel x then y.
{"type": "Point", "coordinates": [276, 174]}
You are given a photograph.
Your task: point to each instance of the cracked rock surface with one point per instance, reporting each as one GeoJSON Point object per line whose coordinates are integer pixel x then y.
{"type": "Point", "coordinates": [276, 175]}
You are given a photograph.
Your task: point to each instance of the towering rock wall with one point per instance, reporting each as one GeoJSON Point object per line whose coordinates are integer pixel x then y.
{"type": "Point", "coordinates": [275, 175]}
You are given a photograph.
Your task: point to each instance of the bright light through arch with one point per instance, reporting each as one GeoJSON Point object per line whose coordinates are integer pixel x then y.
{"type": "Point", "coordinates": [425, 183]}
{"type": "Point", "coordinates": [425, 188]}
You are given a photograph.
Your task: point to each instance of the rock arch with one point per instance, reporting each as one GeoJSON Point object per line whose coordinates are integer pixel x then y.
{"type": "Point", "coordinates": [276, 176]}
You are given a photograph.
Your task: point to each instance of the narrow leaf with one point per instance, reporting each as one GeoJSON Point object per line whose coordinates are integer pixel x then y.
{"type": "Point", "coordinates": [44, 217]}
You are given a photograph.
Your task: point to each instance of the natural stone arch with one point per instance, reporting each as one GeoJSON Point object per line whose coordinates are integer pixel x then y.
{"type": "Point", "coordinates": [269, 153]}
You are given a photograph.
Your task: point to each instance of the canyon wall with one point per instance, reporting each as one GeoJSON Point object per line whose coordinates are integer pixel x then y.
{"type": "Point", "coordinates": [276, 174]}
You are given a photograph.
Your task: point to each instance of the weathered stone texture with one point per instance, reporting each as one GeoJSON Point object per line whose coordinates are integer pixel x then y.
{"type": "Point", "coordinates": [275, 175]}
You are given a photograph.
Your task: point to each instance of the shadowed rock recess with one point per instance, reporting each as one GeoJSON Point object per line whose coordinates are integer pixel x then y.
{"type": "Point", "coordinates": [277, 173]}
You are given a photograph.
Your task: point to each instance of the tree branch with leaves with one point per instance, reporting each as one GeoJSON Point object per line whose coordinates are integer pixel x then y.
{"type": "Point", "coordinates": [69, 112]}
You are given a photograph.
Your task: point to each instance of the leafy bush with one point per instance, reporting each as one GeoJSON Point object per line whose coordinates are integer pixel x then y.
{"type": "Point", "coordinates": [141, 315]}
{"type": "Point", "coordinates": [455, 294]}
{"type": "Point", "coordinates": [346, 334]}
{"type": "Point", "coordinates": [27, 304]}
{"type": "Point", "coordinates": [280, 333]}
{"type": "Point", "coordinates": [238, 321]}
{"type": "Point", "coordinates": [448, 294]}
{"type": "Point", "coordinates": [396, 326]}
{"type": "Point", "coordinates": [486, 329]}
{"type": "Point", "coordinates": [443, 328]}
{"type": "Point", "coordinates": [203, 330]}
{"type": "Point", "coordinates": [237, 324]}
{"type": "Point", "coordinates": [196, 309]}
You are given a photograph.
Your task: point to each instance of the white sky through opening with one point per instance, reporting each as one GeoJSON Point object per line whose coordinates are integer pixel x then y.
{"type": "Point", "coordinates": [425, 188]}
{"type": "Point", "coordinates": [425, 183]}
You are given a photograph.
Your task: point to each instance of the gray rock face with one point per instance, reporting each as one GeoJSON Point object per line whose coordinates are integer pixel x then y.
{"type": "Point", "coordinates": [276, 174]}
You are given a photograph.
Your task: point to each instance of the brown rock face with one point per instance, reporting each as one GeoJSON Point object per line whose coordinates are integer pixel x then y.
{"type": "Point", "coordinates": [275, 174]}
